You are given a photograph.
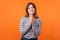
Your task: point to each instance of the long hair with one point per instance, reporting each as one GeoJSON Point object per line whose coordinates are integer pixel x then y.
{"type": "Point", "coordinates": [27, 14]}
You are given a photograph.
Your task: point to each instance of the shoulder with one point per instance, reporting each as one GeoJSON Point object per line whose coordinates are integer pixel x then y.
{"type": "Point", "coordinates": [23, 18]}
{"type": "Point", "coordinates": [38, 20]}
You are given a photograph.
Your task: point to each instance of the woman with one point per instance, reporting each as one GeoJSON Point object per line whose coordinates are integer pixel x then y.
{"type": "Point", "coordinates": [30, 24]}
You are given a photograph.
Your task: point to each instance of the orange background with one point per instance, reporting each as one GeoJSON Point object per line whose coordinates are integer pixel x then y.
{"type": "Point", "coordinates": [12, 10]}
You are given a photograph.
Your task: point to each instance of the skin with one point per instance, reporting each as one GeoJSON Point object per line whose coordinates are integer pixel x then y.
{"type": "Point", "coordinates": [31, 11]}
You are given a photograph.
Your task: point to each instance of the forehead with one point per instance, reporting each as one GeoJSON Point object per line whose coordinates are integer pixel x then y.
{"type": "Point", "coordinates": [30, 5]}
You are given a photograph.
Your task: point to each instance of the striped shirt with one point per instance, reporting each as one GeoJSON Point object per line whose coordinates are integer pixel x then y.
{"type": "Point", "coordinates": [25, 25]}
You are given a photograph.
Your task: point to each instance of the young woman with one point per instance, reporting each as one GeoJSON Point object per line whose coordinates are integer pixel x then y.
{"type": "Point", "coordinates": [30, 24]}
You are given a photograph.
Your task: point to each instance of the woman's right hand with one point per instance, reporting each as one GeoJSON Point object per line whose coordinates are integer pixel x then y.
{"type": "Point", "coordinates": [31, 19]}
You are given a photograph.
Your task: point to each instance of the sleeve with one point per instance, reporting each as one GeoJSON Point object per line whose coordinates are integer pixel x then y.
{"type": "Point", "coordinates": [24, 26]}
{"type": "Point", "coordinates": [38, 27]}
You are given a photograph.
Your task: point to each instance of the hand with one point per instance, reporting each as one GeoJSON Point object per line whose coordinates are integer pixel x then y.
{"type": "Point", "coordinates": [31, 19]}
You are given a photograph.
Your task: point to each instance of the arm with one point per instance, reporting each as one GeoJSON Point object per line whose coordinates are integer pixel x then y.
{"type": "Point", "coordinates": [24, 26]}
{"type": "Point", "coordinates": [38, 27]}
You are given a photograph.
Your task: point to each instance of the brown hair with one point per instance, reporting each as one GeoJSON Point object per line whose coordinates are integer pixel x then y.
{"type": "Point", "coordinates": [27, 14]}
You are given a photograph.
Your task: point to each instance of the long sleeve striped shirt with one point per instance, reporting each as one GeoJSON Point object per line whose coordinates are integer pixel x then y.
{"type": "Point", "coordinates": [34, 31]}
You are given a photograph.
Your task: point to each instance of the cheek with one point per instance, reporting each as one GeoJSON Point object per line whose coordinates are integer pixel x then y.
{"type": "Point", "coordinates": [28, 10]}
{"type": "Point", "coordinates": [34, 10]}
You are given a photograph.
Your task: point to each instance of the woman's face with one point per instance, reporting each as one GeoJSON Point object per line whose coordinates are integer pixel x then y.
{"type": "Point", "coordinates": [31, 9]}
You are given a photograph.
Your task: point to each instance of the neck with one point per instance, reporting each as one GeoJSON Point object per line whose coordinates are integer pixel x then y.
{"type": "Point", "coordinates": [30, 15]}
